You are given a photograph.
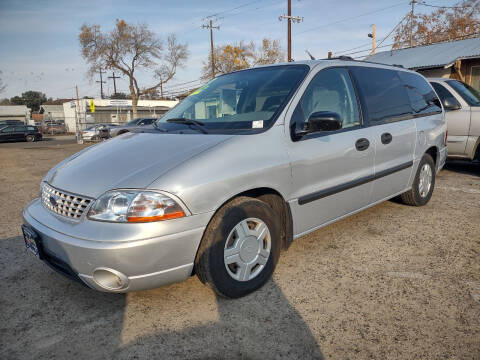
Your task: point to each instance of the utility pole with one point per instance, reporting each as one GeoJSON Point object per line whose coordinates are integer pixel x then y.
{"type": "Point", "coordinates": [413, 2]}
{"type": "Point", "coordinates": [290, 18]}
{"type": "Point", "coordinates": [212, 54]}
{"type": "Point", "coordinates": [77, 109]}
{"type": "Point", "coordinates": [161, 89]}
{"type": "Point", "coordinates": [101, 82]}
{"type": "Point", "coordinates": [114, 84]}
{"type": "Point", "coordinates": [372, 35]}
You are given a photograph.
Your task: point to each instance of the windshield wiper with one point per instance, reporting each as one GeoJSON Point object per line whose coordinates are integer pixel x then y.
{"type": "Point", "coordinates": [155, 125]}
{"type": "Point", "coordinates": [200, 126]}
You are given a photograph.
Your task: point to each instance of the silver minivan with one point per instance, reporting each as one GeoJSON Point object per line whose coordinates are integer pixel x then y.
{"type": "Point", "coordinates": [231, 176]}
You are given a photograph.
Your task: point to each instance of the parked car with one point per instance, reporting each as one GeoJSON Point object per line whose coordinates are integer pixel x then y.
{"type": "Point", "coordinates": [229, 177]}
{"type": "Point", "coordinates": [19, 133]}
{"type": "Point", "coordinates": [54, 128]}
{"type": "Point", "coordinates": [11, 122]}
{"type": "Point", "coordinates": [96, 132]}
{"type": "Point", "coordinates": [131, 125]}
{"type": "Point", "coordinates": [462, 112]}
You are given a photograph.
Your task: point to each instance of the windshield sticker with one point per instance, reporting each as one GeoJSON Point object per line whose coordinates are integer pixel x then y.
{"type": "Point", "coordinates": [258, 124]}
{"type": "Point", "coordinates": [199, 90]}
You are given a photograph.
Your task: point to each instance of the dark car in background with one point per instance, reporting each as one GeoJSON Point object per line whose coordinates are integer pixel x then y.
{"type": "Point", "coordinates": [131, 125]}
{"type": "Point", "coordinates": [10, 122]}
{"type": "Point", "coordinates": [28, 133]}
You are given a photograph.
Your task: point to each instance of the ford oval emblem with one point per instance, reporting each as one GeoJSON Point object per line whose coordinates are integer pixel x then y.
{"type": "Point", "coordinates": [53, 201]}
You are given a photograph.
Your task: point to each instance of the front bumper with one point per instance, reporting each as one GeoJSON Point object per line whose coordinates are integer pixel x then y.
{"type": "Point", "coordinates": [148, 255]}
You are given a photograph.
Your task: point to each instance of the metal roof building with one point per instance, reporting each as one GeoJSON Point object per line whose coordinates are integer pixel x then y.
{"type": "Point", "coordinates": [453, 59]}
{"type": "Point", "coordinates": [15, 112]}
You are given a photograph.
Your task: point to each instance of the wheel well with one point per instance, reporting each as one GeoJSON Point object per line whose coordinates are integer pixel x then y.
{"type": "Point", "coordinates": [476, 154]}
{"type": "Point", "coordinates": [122, 132]}
{"type": "Point", "coordinates": [275, 200]}
{"type": "Point", "coordinates": [433, 152]}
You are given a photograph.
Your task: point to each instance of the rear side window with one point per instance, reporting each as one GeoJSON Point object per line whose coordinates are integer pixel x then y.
{"type": "Point", "coordinates": [19, 128]}
{"type": "Point", "coordinates": [421, 95]}
{"type": "Point", "coordinates": [383, 94]}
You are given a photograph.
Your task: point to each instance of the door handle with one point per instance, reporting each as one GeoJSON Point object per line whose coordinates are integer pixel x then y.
{"type": "Point", "coordinates": [386, 138]}
{"type": "Point", "coordinates": [362, 144]}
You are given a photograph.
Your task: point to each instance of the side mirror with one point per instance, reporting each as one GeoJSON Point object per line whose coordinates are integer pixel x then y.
{"type": "Point", "coordinates": [321, 121]}
{"type": "Point", "coordinates": [451, 103]}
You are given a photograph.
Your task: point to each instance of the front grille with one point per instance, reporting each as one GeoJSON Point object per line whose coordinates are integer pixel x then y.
{"type": "Point", "coordinates": [63, 203]}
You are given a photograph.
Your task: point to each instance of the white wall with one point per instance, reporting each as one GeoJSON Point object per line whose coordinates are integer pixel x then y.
{"type": "Point", "coordinates": [69, 108]}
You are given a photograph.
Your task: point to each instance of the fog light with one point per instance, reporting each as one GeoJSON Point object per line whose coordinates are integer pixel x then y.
{"type": "Point", "coordinates": [110, 279]}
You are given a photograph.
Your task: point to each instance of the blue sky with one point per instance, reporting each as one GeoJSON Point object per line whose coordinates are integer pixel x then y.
{"type": "Point", "coordinates": [39, 39]}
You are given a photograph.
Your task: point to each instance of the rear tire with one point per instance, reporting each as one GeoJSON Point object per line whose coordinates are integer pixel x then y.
{"type": "Point", "coordinates": [423, 184]}
{"type": "Point", "coordinates": [240, 248]}
{"type": "Point", "coordinates": [30, 138]}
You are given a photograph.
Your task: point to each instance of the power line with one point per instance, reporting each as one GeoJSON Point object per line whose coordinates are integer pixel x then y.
{"type": "Point", "coordinates": [442, 7]}
{"type": "Point", "coordinates": [215, 15]}
{"type": "Point", "coordinates": [461, 37]}
{"type": "Point", "coordinates": [351, 18]}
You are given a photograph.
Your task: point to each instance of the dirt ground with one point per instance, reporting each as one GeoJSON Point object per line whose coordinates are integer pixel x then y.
{"type": "Point", "coordinates": [392, 282]}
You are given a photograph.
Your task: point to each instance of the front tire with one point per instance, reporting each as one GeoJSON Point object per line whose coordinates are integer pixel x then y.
{"type": "Point", "coordinates": [423, 184]}
{"type": "Point", "coordinates": [240, 248]}
{"type": "Point", "coordinates": [30, 138]}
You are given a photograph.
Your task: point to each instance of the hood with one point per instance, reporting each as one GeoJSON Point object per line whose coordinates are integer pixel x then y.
{"type": "Point", "coordinates": [132, 160]}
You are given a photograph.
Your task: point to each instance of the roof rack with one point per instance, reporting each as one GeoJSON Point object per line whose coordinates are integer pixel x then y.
{"type": "Point", "coordinates": [348, 58]}
{"type": "Point", "coordinates": [341, 57]}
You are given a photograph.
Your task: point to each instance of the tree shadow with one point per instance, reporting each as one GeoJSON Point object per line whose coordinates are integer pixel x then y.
{"type": "Point", "coordinates": [45, 316]}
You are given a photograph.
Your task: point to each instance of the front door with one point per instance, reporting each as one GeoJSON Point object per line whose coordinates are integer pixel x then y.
{"type": "Point", "coordinates": [331, 171]}
{"type": "Point", "coordinates": [458, 121]}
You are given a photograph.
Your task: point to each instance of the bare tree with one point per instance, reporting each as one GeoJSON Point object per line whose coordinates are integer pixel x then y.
{"type": "Point", "coordinates": [3, 86]}
{"type": "Point", "coordinates": [129, 48]}
{"type": "Point", "coordinates": [458, 22]}
{"type": "Point", "coordinates": [238, 56]}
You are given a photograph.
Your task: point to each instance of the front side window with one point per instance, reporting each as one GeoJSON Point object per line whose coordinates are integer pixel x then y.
{"type": "Point", "coordinates": [469, 94]}
{"type": "Point", "coordinates": [421, 95]}
{"type": "Point", "coordinates": [243, 102]}
{"type": "Point", "coordinates": [330, 90]}
{"type": "Point", "coordinates": [383, 94]}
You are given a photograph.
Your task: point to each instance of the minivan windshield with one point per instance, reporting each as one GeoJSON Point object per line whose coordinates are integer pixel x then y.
{"type": "Point", "coordinates": [242, 102]}
{"type": "Point", "coordinates": [469, 94]}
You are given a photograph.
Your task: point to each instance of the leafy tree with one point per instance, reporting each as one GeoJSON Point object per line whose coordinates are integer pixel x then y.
{"type": "Point", "coordinates": [17, 100]}
{"type": "Point", "coordinates": [241, 55]}
{"type": "Point", "coordinates": [458, 22]}
{"type": "Point", "coordinates": [119, 96]}
{"type": "Point", "coordinates": [5, 101]}
{"type": "Point", "coordinates": [33, 99]}
{"type": "Point", "coordinates": [270, 52]}
{"type": "Point", "coordinates": [129, 48]}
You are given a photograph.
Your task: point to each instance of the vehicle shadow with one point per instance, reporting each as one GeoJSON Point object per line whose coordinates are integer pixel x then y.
{"type": "Point", "coordinates": [47, 316]}
{"type": "Point", "coordinates": [464, 167]}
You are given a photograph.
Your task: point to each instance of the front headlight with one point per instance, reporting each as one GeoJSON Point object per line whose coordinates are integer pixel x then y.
{"type": "Point", "coordinates": [134, 206]}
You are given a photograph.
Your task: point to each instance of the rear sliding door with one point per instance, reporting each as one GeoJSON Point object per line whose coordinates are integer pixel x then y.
{"type": "Point", "coordinates": [388, 114]}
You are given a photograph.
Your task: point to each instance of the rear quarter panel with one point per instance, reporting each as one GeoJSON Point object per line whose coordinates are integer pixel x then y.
{"type": "Point", "coordinates": [430, 133]}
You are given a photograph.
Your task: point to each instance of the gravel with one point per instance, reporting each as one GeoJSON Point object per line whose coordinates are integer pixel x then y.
{"type": "Point", "coordinates": [390, 282]}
